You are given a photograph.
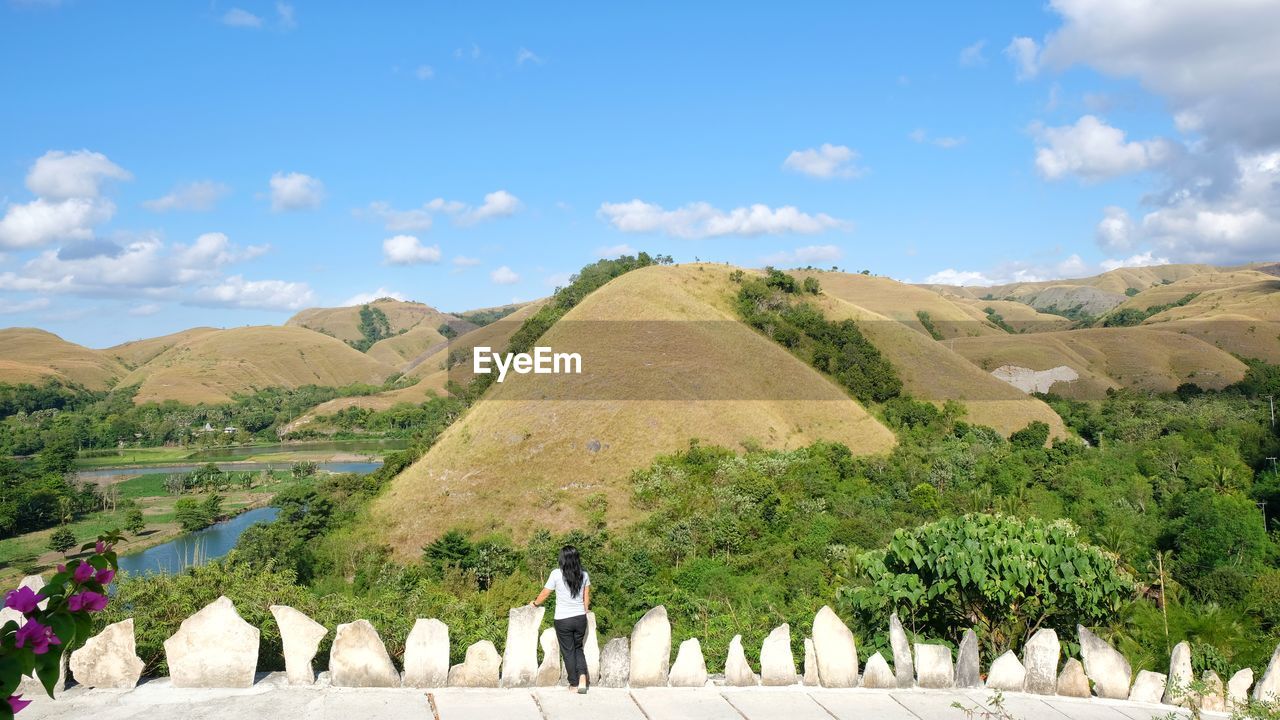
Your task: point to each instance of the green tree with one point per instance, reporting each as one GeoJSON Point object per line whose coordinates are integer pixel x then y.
{"type": "Point", "coordinates": [1033, 436]}
{"type": "Point", "coordinates": [1218, 542]}
{"type": "Point", "coordinates": [191, 514]}
{"type": "Point", "coordinates": [62, 540]}
{"type": "Point", "coordinates": [134, 522]}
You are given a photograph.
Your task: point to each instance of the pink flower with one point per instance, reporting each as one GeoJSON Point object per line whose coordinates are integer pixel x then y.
{"type": "Point", "coordinates": [40, 637]}
{"type": "Point", "coordinates": [24, 600]}
{"type": "Point", "coordinates": [100, 547]}
{"type": "Point", "coordinates": [89, 601]}
{"type": "Point", "coordinates": [16, 703]}
{"type": "Point", "coordinates": [83, 572]}
{"type": "Point", "coordinates": [106, 576]}
{"type": "Point", "coordinates": [62, 568]}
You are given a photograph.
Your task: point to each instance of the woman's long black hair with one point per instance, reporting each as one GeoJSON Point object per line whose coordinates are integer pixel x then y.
{"type": "Point", "coordinates": [571, 569]}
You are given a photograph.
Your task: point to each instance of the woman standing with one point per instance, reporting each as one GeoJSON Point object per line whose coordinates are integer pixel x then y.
{"type": "Point", "coordinates": [572, 586]}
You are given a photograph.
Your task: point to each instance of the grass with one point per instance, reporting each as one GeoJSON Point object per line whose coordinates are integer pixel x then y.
{"type": "Point", "coordinates": [25, 352]}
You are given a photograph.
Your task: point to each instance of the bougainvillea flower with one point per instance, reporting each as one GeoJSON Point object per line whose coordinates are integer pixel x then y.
{"type": "Point", "coordinates": [40, 637]}
{"type": "Point", "coordinates": [24, 600]}
{"type": "Point", "coordinates": [16, 703]}
{"type": "Point", "coordinates": [88, 601]}
{"type": "Point", "coordinates": [100, 547]}
{"type": "Point", "coordinates": [83, 572]}
{"type": "Point", "coordinates": [106, 576]}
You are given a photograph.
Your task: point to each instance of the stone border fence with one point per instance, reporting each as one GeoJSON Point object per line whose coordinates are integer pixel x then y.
{"type": "Point", "coordinates": [216, 648]}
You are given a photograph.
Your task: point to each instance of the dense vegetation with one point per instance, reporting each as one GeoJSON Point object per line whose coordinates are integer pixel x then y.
{"type": "Point", "coordinates": [373, 327]}
{"type": "Point", "coordinates": [998, 320]}
{"type": "Point", "coordinates": [1128, 317]}
{"type": "Point", "coordinates": [487, 316]}
{"type": "Point", "coordinates": [774, 305]}
{"type": "Point", "coordinates": [926, 320]}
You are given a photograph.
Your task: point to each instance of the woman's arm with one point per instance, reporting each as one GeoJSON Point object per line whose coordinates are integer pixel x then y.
{"type": "Point", "coordinates": [586, 599]}
{"type": "Point", "coordinates": [541, 597]}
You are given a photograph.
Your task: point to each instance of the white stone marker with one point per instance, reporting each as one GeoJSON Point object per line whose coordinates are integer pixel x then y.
{"type": "Point", "coordinates": [933, 666]}
{"type": "Point", "coordinates": [426, 654]}
{"type": "Point", "coordinates": [520, 655]}
{"type": "Point", "coordinates": [810, 664]}
{"type": "Point", "coordinates": [1268, 688]}
{"type": "Point", "coordinates": [215, 648]}
{"type": "Point", "coordinates": [1148, 687]}
{"type": "Point", "coordinates": [358, 659]}
{"type": "Point", "coordinates": [737, 671]}
{"type": "Point", "coordinates": [877, 674]}
{"type": "Point", "coordinates": [300, 636]}
{"type": "Point", "coordinates": [1178, 684]}
{"type": "Point", "coordinates": [651, 649]}
{"type": "Point", "coordinates": [1040, 659]}
{"type": "Point", "coordinates": [1107, 668]}
{"type": "Point", "coordinates": [550, 669]}
{"type": "Point", "coordinates": [1238, 688]}
{"type": "Point", "coordinates": [903, 670]}
{"type": "Point", "coordinates": [109, 659]}
{"type": "Point", "coordinates": [835, 649]}
{"type": "Point", "coordinates": [777, 664]}
{"type": "Point", "coordinates": [1214, 698]}
{"type": "Point", "coordinates": [1072, 681]}
{"type": "Point", "coordinates": [1006, 673]}
{"type": "Point", "coordinates": [479, 668]}
{"type": "Point", "coordinates": [968, 674]}
{"type": "Point", "coordinates": [591, 648]}
{"type": "Point", "coordinates": [615, 663]}
{"type": "Point", "coordinates": [690, 668]}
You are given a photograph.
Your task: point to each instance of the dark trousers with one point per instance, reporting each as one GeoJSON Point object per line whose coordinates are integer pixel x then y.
{"type": "Point", "coordinates": [571, 634]}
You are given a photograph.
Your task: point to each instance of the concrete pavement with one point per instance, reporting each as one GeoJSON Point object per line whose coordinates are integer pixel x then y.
{"type": "Point", "coordinates": [272, 699]}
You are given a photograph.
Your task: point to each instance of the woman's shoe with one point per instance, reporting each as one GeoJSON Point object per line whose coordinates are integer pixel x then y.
{"type": "Point", "coordinates": [582, 688]}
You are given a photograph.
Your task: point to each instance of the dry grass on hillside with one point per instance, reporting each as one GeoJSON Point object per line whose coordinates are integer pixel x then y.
{"type": "Point", "coordinates": [31, 355]}
{"type": "Point", "coordinates": [344, 322]}
{"type": "Point", "coordinates": [898, 301]}
{"type": "Point", "coordinates": [399, 350]}
{"type": "Point", "coordinates": [213, 367]}
{"type": "Point", "coordinates": [140, 352]}
{"type": "Point", "coordinates": [529, 455]}
{"type": "Point", "coordinates": [1139, 357]}
{"type": "Point", "coordinates": [1019, 316]}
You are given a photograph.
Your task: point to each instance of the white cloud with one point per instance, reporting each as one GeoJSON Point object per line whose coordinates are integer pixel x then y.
{"type": "Point", "coordinates": [1013, 272]}
{"type": "Point", "coordinates": [701, 220]}
{"type": "Point", "coordinates": [286, 16]}
{"type": "Point", "coordinates": [808, 255]}
{"type": "Point", "coordinates": [1144, 260]}
{"type": "Point", "coordinates": [1024, 53]}
{"type": "Point", "coordinates": [951, 276]}
{"type": "Point", "coordinates": [200, 196]}
{"type": "Point", "coordinates": [13, 308]}
{"type": "Point", "coordinates": [463, 261]}
{"type": "Point", "coordinates": [145, 310]}
{"type": "Point", "coordinates": [972, 56]}
{"type": "Point", "coordinates": [41, 221]}
{"type": "Point", "coordinates": [498, 203]}
{"type": "Point", "coordinates": [613, 251]}
{"type": "Point", "coordinates": [295, 191]}
{"type": "Point", "coordinates": [60, 175]}
{"type": "Point", "coordinates": [525, 55]}
{"type": "Point", "coordinates": [408, 250]}
{"type": "Point", "coordinates": [1115, 230]}
{"type": "Point", "coordinates": [1092, 150]}
{"type": "Point", "coordinates": [237, 292]}
{"type": "Point", "coordinates": [424, 72]}
{"type": "Point", "coordinates": [236, 17]}
{"type": "Point", "coordinates": [397, 220]}
{"type": "Point", "coordinates": [504, 276]}
{"type": "Point", "coordinates": [946, 142]}
{"type": "Point", "coordinates": [366, 298]}
{"type": "Point", "coordinates": [827, 161]}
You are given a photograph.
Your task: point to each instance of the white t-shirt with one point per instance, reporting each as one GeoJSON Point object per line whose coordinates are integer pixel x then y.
{"type": "Point", "coordinates": [567, 604]}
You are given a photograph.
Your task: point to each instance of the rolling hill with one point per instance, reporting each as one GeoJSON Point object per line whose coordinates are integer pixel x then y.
{"type": "Point", "coordinates": [31, 355]}
{"type": "Point", "coordinates": [666, 361]}
{"type": "Point", "coordinates": [344, 322]}
{"type": "Point", "coordinates": [140, 352]}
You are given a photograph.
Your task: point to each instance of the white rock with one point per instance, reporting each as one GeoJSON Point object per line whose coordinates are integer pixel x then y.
{"type": "Point", "coordinates": [300, 636]}
{"type": "Point", "coordinates": [1238, 688]}
{"type": "Point", "coordinates": [520, 655]}
{"type": "Point", "coordinates": [1179, 680]}
{"type": "Point", "coordinates": [591, 648]}
{"type": "Point", "coordinates": [1040, 659]}
{"type": "Point", "coordinates": [690, 668]}
{"type": "Point", "coordinates": [777, 664]}
{"type": "Point", "coordinates": [426, 654]}
{"type": "Point", "coordinates": [1006, 673]}
{"type": "Point", "coordinates": [1214, 698]}
{"type": "Point", "coordinates": [1268, 688]}
{"type": "Point", "coordinates": [737, 671]}
{"type": "Point", "coordinates": [358, 659]}
{"type": "Point", "coordinates": [1148, 687]}
{"type": "Point", "coordinates": [479, 668]}
{"type": "Point", "coordinates": [933, 666]}
{"type": "Point", "coordinates": [615, 663]}
{"type": "Point", "coordinates": [810, 664]}
{"type": "Point", "coordinates": [877, 674]}
{"type": "Point", "coordinates": [109, 659]}
{"type": "Point", "coordinates": [215, 648]}
{"type": "Point", "coordinates": [1073, 681]}
{"type": "Point", "coordinates": [550, 669]}
{"type": "Point", "coordinates": [968, 660]}
{"type": "Point", "coordinates": [1107, 668]}
{"type": "Point", "coordinates": [651, 649]}
{"type": "Point", "coordinates": [835, 649]}
{"type": "Point", "coordinates": [902, 667]}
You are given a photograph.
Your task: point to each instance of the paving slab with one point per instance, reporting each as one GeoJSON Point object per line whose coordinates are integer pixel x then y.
{"type": "Point", "coordinates": [1096, 709]}
{"type": "Point", "coordinates": [864, 704]}
{"type": "Point", "coordinates": [763, 704]}
{"type": "Point", "coordinates": [684, 704]}
{"type": "Point", "coordinates": [481, 704]}
{"type": "Point", "coordinates": [931, 704]}
{"type": "Point", "coordinates": [1023, 705]}
{"type": "Point", "coordinates": [367, 704]}
{"type": "Point", "coordinates": [1144, 711]}
{"type": "Point", "coordinates": [560, 704]}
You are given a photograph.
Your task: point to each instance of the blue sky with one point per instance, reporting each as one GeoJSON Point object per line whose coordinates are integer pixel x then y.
{"type": "Point", "coordinates": [171, 164]}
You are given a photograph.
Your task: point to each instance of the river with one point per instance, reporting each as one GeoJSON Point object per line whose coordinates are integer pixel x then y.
{"type": "Point", "coordinates": [197, 547]}
{"type": "Point", "coordinates": [105, 474]}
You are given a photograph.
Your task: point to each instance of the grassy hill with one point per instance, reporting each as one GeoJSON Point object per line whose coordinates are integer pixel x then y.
{"type": "Point", "coordinates": [667, 361]}
{"type": "Point", "coordinates": [344, 322]}
{"type": "Point", "coordinates": [31, 355]}
{"type": "Point", "coordinates": [140, 352]}
{"type": "Point", "coordinates": [214, 366]}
